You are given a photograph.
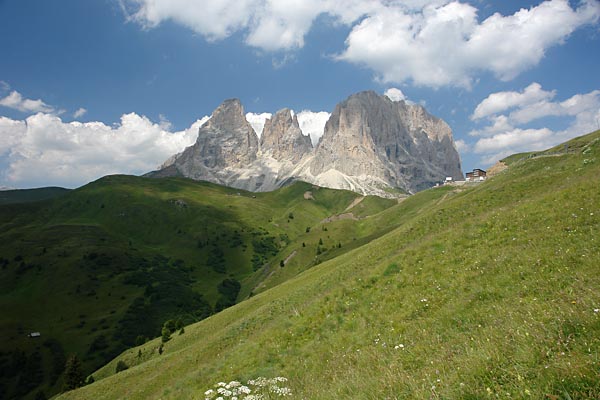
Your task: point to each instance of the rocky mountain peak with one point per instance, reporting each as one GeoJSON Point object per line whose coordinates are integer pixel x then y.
{"type": "Point", "coordinates": [225, 141]}
{"type": "Point", "coordinates": [228, 115]}
{"type": "Point", "coordinates": [282, 138]}
{"type": "Point", "coordinates": [394, 142]}
{"type": "Point", "coordinates": [370, 144]}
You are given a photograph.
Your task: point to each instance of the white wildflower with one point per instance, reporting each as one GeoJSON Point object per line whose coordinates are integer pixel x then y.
{"type": "Point", "coordinates": [262, 387]}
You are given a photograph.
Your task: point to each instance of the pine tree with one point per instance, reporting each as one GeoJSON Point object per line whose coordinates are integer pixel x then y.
{"type": "Point", "coordinates": [166, 334]}
{"type": "Point", "coordinates": [73, 373]}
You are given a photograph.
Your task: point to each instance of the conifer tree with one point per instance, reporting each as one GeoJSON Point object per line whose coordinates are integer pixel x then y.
{"type": "Point", "coordinates": [73, 373]}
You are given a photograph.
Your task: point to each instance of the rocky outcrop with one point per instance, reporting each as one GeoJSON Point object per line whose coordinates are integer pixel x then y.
{"type": "Point", "coordinates": [374, 138]}
{"type": "Point", "coordinates": [282, 138]}
{"type": "Point", "coordinates": [370, 144]}
{"type": "Point", "coordinates": [225, 147]}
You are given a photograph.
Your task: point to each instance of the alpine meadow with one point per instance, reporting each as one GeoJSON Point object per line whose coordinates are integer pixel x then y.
{"type": "Point", "coordinates": [463, 291]}
{"type": "Point", "coordinates": [299, 199]}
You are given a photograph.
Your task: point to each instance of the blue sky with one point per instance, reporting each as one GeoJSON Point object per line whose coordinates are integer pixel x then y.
{"type": "Point", "coordinates": [94, 87]}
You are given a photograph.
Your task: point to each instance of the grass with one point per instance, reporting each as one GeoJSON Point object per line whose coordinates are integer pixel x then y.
{"type": "Point", "coordinates": [97, 267]}
{"type": "Point", "coordinates": [486, 292]}
{"type": "Point", "coordinates": [30, 195]}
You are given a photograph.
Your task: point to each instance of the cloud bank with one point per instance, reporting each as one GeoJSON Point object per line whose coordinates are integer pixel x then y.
{"type": "Point", "coordinates": [427, 42]}
{"type": "Point", "coordinates": [43, 150]}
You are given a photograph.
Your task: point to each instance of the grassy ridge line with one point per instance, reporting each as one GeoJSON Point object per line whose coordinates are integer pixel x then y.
{"type": "Point", "coordinates": [490, 293]}
{"type": "Point", "coordinates": [574, 145]}
{"type": "Point", "coordinates": [16, 196]}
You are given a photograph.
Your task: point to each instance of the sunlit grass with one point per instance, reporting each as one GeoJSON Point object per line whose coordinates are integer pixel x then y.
{"type": "Point", "coordinates": [490, 292]}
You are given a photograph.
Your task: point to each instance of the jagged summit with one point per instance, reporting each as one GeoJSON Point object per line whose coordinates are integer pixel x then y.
{"type": "Point", "coordinates": [370, 144]}
{"type": "Point", "coordinates": [283, 139]}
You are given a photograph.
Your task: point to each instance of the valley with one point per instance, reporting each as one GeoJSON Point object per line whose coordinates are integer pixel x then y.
{"type": "Point", "coordinates": [102, 268]}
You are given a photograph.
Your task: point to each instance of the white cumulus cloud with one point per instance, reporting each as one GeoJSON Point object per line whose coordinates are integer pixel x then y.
{"type": "Point", "coordinates": [16, 101]}
{"type": "Point", "coordinates": [313, 124]}
{"type": "Point", "coordinates": [43, 150]}
{"type": "Point", "coordinates": [270, 25]}
{"type": "Point", "coordinates": [429, 42]}
{"type": "Point", "coordinates": [11, 132]}
{"type": "Point", "coordinates": [445, 44]}
{"type": "Point", "coordinates": [257, 120]}
{"type": "Point", "coordinates": [80, 112]}
{"type": "Point", "coordinates": [501, 101]}
{"type": "Point", "coordinates": [395, 94]}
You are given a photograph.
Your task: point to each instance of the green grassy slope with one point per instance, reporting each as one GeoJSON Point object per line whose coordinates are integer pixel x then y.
{"type": "Point", "coordinates": [574, 145]}
{"type": "Point", "coordinates": [490, 292]}
{"type": "Point", "coordinates": [111, 261]}
{"type": "Point", "coordinates": [29, 195]}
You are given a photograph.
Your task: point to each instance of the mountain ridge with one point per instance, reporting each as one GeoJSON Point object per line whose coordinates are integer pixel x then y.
{"type": "Point", "coordinates": [370, 144]}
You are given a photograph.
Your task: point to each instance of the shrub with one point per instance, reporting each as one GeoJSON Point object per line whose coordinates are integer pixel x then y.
{"type": "Point", "coordinates": [165, 334]}
{"type": "Point", "coordinates": [121, 366]}
{"type": "Point", "coordinates": [140, 340]}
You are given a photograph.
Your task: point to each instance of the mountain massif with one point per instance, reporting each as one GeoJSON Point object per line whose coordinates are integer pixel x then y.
{"type": "Point", "coordinates": [371, 145]}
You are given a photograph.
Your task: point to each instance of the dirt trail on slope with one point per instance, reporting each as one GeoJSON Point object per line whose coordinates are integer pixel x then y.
{"type": "Point", "coordinates": [355, 202]}
{"type": "Point", "coordinates": [289, 257]}
{"type": "Point", "coordinates": [339, 217]}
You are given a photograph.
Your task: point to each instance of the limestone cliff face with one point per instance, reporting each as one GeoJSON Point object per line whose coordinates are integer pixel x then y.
{"type": "Point", "coordinates": [370, 144]}
{"type": "Point", "coordinates": [282, 138]}
{"type": "Point", "coordinates": [394, 142]}
{"type": "Point", "coordinates": [227, 141]}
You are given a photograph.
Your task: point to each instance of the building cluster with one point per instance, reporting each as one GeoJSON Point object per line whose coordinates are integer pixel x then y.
{"type": "Point", "coordinates": [477, 175]}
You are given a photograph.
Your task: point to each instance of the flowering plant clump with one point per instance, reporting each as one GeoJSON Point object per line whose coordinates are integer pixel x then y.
{"type": "Point", "coordinates": [255, 389]}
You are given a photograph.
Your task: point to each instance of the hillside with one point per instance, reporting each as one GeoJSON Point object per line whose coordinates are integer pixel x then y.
{"type": "Point", "coordinates": [15, 196]}
{"type": "Point", "coordinates": [102, 268]}
{"type": "Point", "coordinates": [489, 291]}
